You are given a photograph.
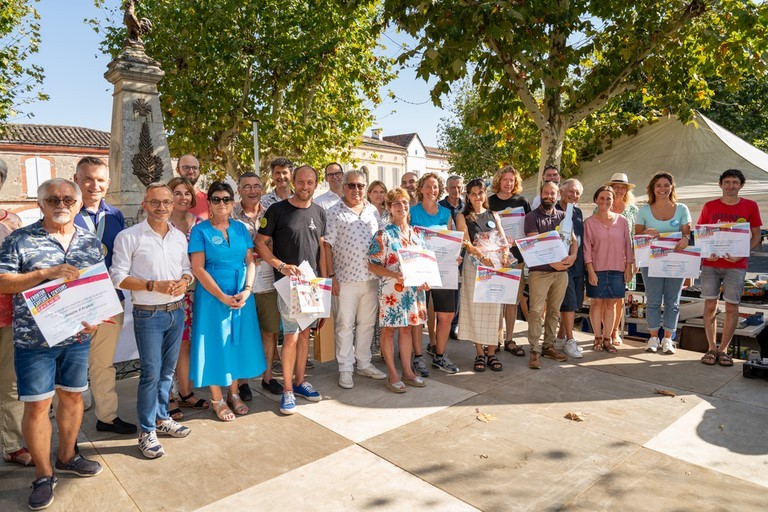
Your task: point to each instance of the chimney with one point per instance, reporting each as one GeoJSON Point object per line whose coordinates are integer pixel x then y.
{"type": "Point", "coordinates": [377, 133]}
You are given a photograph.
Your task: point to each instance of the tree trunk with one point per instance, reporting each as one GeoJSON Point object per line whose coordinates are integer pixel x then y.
{"type": "Point", "coordinates": [552, 138]}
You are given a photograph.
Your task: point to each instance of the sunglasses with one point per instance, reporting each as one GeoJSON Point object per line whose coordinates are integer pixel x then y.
{"type": "Point", "coordinates": [55, 201]}
{"type": "Point", "coordinates": [356, 186]}
{"type": "Point", "coordinates": [225, 199]}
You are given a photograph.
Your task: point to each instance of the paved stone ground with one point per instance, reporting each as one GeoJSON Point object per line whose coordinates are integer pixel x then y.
{"type": "Point", "coordinates": [369, 449]}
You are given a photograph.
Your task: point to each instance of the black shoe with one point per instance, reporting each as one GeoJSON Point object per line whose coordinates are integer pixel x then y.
{"type": "Point", "coordinates": [454, 334]}
{"type": "Point", "coordinates": [79, 465]}
{"type": "Point", "coordinates": [42, 493]}
{"type": "Point", "coordinates": [117, 426]}
{"type": "Point", "coordinates": [273, 386]}
{"type": "Point", "coordinates": [245, 392]}
{"type": "Point", "coordinates": [310, 364]}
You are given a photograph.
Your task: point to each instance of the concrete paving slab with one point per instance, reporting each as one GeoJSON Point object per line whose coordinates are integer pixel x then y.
{"type": "Point", "coordinates": [520, 460]}
{"type": "Point", "coordinates": [745, 391]}
{"type": "Point", "coordinates": [648, 480]}
{"type": "Point", "coordinates": [361, 481]}
{"type": "Point", "coordinates": [724, 436]}
{"type": "Point", "coordinates": [370, 409]}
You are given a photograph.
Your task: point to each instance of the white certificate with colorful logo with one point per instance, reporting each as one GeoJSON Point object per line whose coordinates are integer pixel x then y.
{"type": "Point", "coordinates": [667, 262]}
{"type": "Point", "coordinates": [446, 245]}
{"type": "Point", "coordinates": [542, 249]}
{"type": "Point", "coordinates": [419, 266]}
{"type": "Point", "coordinates": [512, 220]}
{"type": "Point", "coordinates": [724, 240]}
{"type": "Point", "coordinates": [60, 307]}
{"type": "Point", "coordinates": [642, 245]}
{"type": "Point", "coordinates": [497, 285]}
{"type": "Point", "coordinates": [265, 278]}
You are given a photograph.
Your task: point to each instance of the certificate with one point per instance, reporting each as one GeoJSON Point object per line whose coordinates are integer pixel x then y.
{"type": "Point", "coordinates": [512, 220]}
{"type": "Point", "coordinates": [59, 307]}
{"type": "Point", "coordinates": [665, 261]}
{"type": "Point", "coordinates": [642, 245]}
{"type": "Point", "coordinates": [283, 288]}
{"type": "Point", "coordinates": [542, 249]}
{"type": "Point", "coordinates": [419, 266]}
{"type": "Point", "coordinates": [724, 240]}
{"type": "Point", "coordinates": [497, 285]}
{"type": "Point", "coordinates": [446, 245]}
{"type": "Point", "coordinates": [265, 278]}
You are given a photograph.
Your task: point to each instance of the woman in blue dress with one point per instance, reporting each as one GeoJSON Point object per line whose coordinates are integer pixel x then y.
{"type": "Point", "coordinates": [226, 344]}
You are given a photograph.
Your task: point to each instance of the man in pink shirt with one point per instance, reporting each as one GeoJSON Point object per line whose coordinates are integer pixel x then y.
{"type": "Point", "coordinates": [189, 167]}
{"type": "Point", "coordinates": [725, 271]}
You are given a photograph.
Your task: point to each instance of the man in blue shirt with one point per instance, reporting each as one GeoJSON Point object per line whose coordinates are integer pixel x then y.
{"type": "Point", "coordinates": [49, 249]}
{"type": "Point", "coordinates": [105, 221]}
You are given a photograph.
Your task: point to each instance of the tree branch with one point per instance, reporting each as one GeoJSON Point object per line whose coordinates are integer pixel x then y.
{"type": "Point", "coordinates": [617, 86]}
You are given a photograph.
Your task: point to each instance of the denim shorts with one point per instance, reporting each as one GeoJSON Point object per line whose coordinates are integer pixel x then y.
{"type": "Point", "coordinates": [610, 285]}
{"type": "Point", "coordinates": [41, 370]}
{"type": "Point", "coordinates": [574, 295]}
{"type": "Point", "coordinates": [732, 280]}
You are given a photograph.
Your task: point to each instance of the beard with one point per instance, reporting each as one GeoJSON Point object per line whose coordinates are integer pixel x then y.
{"type": "Point", "coordinates": [548, 204]}
{"type": "Point", "coordinates": [61, 218]}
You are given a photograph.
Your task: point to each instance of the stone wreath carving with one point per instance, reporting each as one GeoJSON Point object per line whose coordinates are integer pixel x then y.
{"type": "Point", "coordinates": [147, 166]}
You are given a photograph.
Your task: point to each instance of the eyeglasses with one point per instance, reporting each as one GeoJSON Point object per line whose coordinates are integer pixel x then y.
{"type": "Point", "coordinates": [55, 201]}
{"type": "Point", "coordinates": [356, 186]}
{"type": "Point", "coordinates": [190, 167]}
{"type": "Point", "coordinates": [249, 188]}
{"type": "Point", "coordinates": [333, 175]}
{"type": "Point", "coordinates": [154, 203]}
{"type": "Point", "coordinates": [217, 199]}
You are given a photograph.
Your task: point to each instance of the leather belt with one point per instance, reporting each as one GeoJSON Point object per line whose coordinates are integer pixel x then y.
{"type": "Point", "coordinates": [172, 306]}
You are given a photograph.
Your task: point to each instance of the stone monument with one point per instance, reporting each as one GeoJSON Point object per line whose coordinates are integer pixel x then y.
{"type": "Point", "coordinates": [138, 153]}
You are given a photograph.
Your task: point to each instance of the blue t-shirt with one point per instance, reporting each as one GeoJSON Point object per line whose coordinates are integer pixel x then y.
{"type": "Point", "coordinates": [681, 217]}
{"type": "Point", "coordinates": [420, 217]}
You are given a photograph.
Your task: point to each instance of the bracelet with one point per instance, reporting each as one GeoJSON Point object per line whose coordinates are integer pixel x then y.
{"type": "Point", "coordinates": [331, 275]}
{"type": "Point", "coordinates": [150, 285]}
{"type": "Point", "coordinates": [281, 267]}
{"type": "Point", "coordinates": [248, 287]}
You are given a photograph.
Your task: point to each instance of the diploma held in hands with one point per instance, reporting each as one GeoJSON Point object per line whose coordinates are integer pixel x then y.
{"type": "Point", "coordinates": [265, 278]}
{"type": "Point", "coordinates": [667, 262]}
{"type": "Point", "coordinates": [497, 285]}
{"type": "Point", "coordinates": [59, 307]}
{"type": "Point", "coordinates": [446, 245]}
{"type": "Point", "coordinates": [419, 266]}
{"type": "Point", "coordinates": [723, 240]}
{"type": "Point", "coordinates": [512, 220]}
{"type": "Point", "coordinates": [642, 245]}
{"type": "Point", "coordinates": [542, 249]}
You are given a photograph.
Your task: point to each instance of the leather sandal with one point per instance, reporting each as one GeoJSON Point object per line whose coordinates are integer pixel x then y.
{"type": "Point", "coordinates": [724, 359]}
{"type": "Point", "coordinates": [513, 348]}
{"type": "Point", "coordinates": [597, 346]}
{"type": "Point", "coordinates": [710, 358]}
{"type": "Point", "coordinates": [236, 404]}
{"type": "Point", "coordinates": [186, 401]}
{"type": "Point", "coordinates": [479, 364]}
{"type": "Point", "coordinates": [21, 457]}
{"type": "Point", "coordinates": [222, 410]}
{"type": "Point", "coordinates": [493, 363]}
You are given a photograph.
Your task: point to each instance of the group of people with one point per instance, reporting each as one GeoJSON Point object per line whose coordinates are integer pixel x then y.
{"type": "Point", "coordinates": [201, 271]}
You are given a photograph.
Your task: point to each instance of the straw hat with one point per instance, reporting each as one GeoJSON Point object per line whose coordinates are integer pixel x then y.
{"type": "Point", "coordinates": [619, 178]}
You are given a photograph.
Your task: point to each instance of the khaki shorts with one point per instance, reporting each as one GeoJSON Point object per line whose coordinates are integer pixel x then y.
{"type": "Point", "coordinates": [266, 309]}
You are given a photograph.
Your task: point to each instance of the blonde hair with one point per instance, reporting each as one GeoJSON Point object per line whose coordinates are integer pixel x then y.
{"type": "Point", "coordinates": [423, 179]}
{"type": "Point", "coordinates": [496, 180]}
{"type": "Point", "coordinates": [394, 194]}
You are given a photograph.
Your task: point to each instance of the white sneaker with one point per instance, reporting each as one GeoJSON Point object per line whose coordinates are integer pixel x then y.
{"type": "Point", "coordinates": [372, 372]}
{"type": "Point", "coordinates": [572, 349]}
{"type": "Point", "coordinates": [559, 343]}
{"type": "Point", "coordinates": [652, 345]}
{"type": "Point", "coordinates": [668, 346]}
{"type": "Point", "coordinates": [345, 380]}
{"type": "Point", "coordinates": [172, 428]}
{"type": "Point", "coordinates": [150, 446]}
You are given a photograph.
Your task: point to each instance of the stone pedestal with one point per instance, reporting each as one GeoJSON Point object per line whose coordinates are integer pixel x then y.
{"type": "Point", "coordinates": [138, 153]}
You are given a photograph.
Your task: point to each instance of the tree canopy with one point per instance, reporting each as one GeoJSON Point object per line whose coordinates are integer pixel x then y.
{"type": "Point", "coordinates": [562, 61]}
{"type": "Point", "coordinates": [309, 76]}
{"type": "Point", "coordinates": [19, 38]}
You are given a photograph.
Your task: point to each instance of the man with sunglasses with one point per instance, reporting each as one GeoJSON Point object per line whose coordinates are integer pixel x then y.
{"type": "Point", "coordinates": [352, 223]}
{"type": "Point", "coordinates": [105, 221]}
{"type": "Point", "coordinates": [333, 175]}
{"type": "Point", "coordinates": [188, 167]}
{"type": "Point", "coordinates": [51, 248]}
{"type": "Point", "coordinates": [151, 262]}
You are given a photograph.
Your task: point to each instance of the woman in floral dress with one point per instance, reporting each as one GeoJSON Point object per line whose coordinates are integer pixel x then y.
{"type": "Point", "coordinates": [400, 307]}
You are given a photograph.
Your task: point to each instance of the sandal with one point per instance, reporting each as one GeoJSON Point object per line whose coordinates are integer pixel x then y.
{"type": "Point", "coordinates": [185, 401]}
{"type": "Point", "coordinates": [494, 363]}
{"type": "Point", "coordinates": [512, 347]}
{"type": "Point", "coordinates": [174, 411]}
{"type": "Point", "coordinates": [710, 358]}
{"type": "Point", "coordinates": [597, 346]}
{"type": "Point", "coordinates": [479, 364]}
{"type": "Point", "coordinates": [21, 457]}
{"type": "Point", "coordinates": [608, 345]}
{"type": "Point", "coordinates": [222, 410]}
{"type": "Point", "coordinates": [724, 359]}
{"type": "Point", "coordinates": [236, 404]}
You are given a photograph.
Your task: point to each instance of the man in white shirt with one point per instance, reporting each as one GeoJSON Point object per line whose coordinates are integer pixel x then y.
{"type": "Point", "coordinates": [333, 175]}
{"type": "Point", "coordinates": [352, 223]}
{"type": "Point", "coordinates": [551, 174]}
{"type": "Point", "coordinates": [150, 260]}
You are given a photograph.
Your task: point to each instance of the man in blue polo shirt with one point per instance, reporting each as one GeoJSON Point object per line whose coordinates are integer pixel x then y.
{"type": "Point", "coordinates": [105, 221]}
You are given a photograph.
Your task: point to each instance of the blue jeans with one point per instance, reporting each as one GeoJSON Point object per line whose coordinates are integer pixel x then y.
{"type": "Point", "coordinates": [158, 338]}
{"type": "Point", "coordinates": [666, 289]}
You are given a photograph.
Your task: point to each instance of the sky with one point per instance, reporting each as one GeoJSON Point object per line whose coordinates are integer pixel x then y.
{"type": "Point", "coordinates": [80, 96]}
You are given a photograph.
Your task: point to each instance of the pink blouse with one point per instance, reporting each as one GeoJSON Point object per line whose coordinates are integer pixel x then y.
{"type": "Point", "coordinates": [607, 248]}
